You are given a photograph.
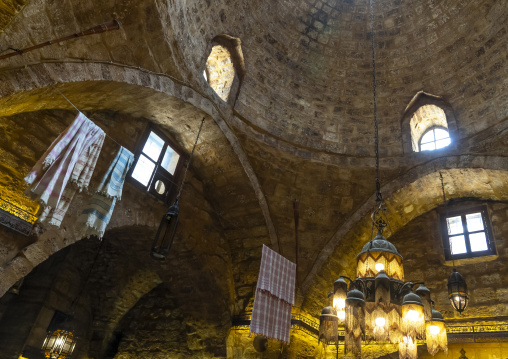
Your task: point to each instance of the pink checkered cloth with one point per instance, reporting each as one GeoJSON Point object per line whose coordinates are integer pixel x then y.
{"type": "Point", "coordinates": [275, 294]}
{"type": "Point", "coordinates": [70, 158]}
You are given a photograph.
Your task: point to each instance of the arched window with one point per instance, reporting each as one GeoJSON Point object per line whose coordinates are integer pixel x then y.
{"type": "Point", "coordinates": [220, 71]}
{"type": "Point", "coordinates": [428, 124]}
{"type": "Point", "coordinates": [225, 69]}
{"type": "Point", "coordinates": [429, 128]}
{"type": "Point", "coordinates": [434, 139]}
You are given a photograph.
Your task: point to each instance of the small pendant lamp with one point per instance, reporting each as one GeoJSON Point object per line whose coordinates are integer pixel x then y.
{"type": "Point", "coordinates": [169, 222]}
{"type": "Point", "coordinates": [457, 291]}
{"type": "Point", "coordinates": [59, 344]}
{"type": "Point", "coordinates": [166, 232]}
{"type": "Point", "coordinates": [457, 287]}
{"type": "Point", "coordinates": [328, 326]}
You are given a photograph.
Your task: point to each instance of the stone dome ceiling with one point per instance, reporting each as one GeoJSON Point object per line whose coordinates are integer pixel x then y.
{"type": "Point", "coordinates": [299, 127]}
{"type": "Point", "coordinates": [309, 77]}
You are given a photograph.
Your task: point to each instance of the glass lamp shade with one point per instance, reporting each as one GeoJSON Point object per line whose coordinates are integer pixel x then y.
{"type": "Point", "coordinates": [354, 324]}
{"type": "Point", "coordinates": [457, 291]}
{"type": "Point", "coordinates": [382, 322]}
{"type": "Point", "coordinates": [407, 348]}
{"type": "Point", "coordinates": [379, 255]}
{"type": "Point", "coordinates": [424, 294]}
{"type": "Point", "coordinates": [166, 233]}
{"type": "Point", "coordinates": [413, 317]}
{"type": "Point", "coordinates": [59, 344]}
{"type": "Point", "coordinates": [435, 332]}
{"type": "Point", "coordinates": [339, 298]}
{"type": "Point", "coordinates": [328, 326]}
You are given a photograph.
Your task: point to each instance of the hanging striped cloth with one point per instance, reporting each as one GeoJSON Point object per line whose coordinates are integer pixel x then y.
{"type": "Point", "coordinates": [275, 294]}
{"type": "Point", "coordinates": [97, 213]}
{"type": "Point", "coordinates": [70, 158]}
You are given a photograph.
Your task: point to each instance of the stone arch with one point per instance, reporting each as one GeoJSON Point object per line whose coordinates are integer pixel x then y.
{"type": "Point", "coordinates": [415, 193]}
{"type": "Point", "coordinates": [33, 88]}
{"type": "Point", "coordinates": [424, 112]}
{"type": "Point", "coordinates": [77, 274]}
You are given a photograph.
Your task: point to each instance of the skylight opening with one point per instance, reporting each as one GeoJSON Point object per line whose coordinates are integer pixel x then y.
{"type": "Point", "coordinates": [434, 139]}
{"type": "Point", "coordinates": [429, 129]}
{"type": "Point", "coordinates": [220, 70]}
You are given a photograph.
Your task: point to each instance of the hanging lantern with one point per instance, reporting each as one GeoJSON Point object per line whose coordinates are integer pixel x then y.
{"type": "Point", "coordinates": [59, 344]}
{"type": "Point", "coordinates": [457, 291]}
{"type": "Point", "coordinates": [339, 298]}
{"type": "Point", "coordinates": [381, 318]}
{"type": "Point", "coordinates": [407, 348]}
{"type": "Point", "coordinates": [424, 294]}
{"type": "Point", "coordinates": [436, 334]}
{"type": "Point", "coordinates": [328, 326]}
{"type": "Point", "coordinates": [413, 318]}
{"type": "Point", "coordinates": [354, 325]}
{"type": "Point", "coordinates": [167, 229]}
{"type": "Point", "coordinates": [166, 233]}
{"type": "Point", "coordinates": [379, 255]}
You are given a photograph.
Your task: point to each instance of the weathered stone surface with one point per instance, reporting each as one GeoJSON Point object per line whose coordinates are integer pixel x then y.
{"type": "Point", "coordinates": [299, 127]}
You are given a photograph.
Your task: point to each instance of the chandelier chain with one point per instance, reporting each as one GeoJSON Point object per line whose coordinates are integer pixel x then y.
{"type": "Point", "coordinates": [189, 161]}
{"type": "Point", "coordinates": [446, 215]}
{"type": "Point", "coordinates": [379, 197]}
{"type": "Point", "coordinates": [442, 186]}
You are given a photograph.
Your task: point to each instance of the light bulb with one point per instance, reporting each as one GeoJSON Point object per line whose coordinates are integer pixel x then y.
{"type": "Point", "coordinates": [339, 303]}
{"type": "Point", "coordinates": [341, 314]}
{"type": "Point", "coordinates": [379, 267]}
{"type": "Point", "coordinates": [412, 315]}
{"type": "Point", "coordinates": [434, 329]}
{"type": "Point", "coordinates": [380, 322]}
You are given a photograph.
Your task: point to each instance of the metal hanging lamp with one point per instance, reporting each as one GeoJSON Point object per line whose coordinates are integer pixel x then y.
{"type": "Point", "coordinates": [457, 291]}
{"type": "Point", "coordinates": [457, 286]}
{"type": "Point", "coordinates": [59, 344]}
{"type": "Point", "coordinates": [169, 222]}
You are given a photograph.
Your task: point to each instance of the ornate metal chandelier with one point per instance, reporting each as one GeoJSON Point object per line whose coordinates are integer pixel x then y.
{"type": "Point", "coordinates": [379, 305]}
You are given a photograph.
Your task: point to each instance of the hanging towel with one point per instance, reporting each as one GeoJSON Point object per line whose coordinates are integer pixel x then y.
{"type": "Point", "coordinates": [275, 294]}
{"type": "Point", "coordinates": [70, 158]}
{"type": "Point", "coordinates": [97, 213]}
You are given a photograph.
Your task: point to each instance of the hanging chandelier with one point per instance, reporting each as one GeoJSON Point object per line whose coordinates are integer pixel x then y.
{"type": "Point", "coordinates": [379, 305]}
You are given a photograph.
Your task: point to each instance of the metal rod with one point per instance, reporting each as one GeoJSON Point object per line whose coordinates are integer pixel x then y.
{"type": "Point", "coordinates": [296, 212]}
{"type": "Point", "coordinates": [190, 159]}
{"type": "Point", "coordinates": [107, 26]}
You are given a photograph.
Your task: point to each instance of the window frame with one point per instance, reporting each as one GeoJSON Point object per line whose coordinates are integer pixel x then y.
{"type": "Point", "coordinates": [491, 248]}
{"type": "Point", "coordinates": [159, 172]}
{"type": "Point", "coordinates": [432, 129]}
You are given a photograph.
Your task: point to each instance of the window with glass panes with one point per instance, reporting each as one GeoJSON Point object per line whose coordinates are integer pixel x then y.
{"type": "Point", "coordinates": [467, 234]}
{"type": "Point", "coordinates": [434, 139]}
{"type": "Point", "coordinates": [157, 164]}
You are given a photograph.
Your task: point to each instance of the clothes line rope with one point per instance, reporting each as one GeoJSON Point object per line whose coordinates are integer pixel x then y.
{"type": "Point", "coordinates": [172, 182]}
{"type": "Point", "coordinates": [69, 101]}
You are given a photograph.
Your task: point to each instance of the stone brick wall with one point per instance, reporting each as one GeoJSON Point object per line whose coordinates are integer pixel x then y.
{"type": "Point", "coordinates": [420, 243]}
{"type": "Point", "coordinates": [199, 269]}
